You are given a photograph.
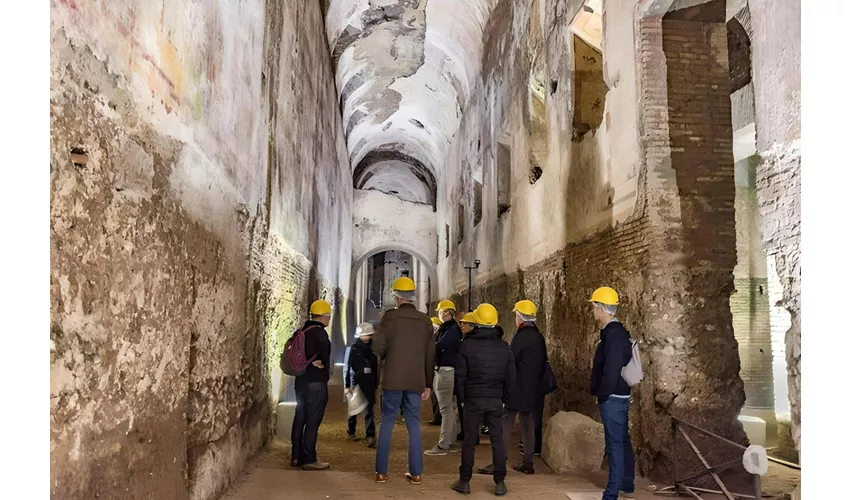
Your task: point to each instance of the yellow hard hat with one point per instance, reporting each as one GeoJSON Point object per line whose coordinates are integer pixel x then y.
{"type": "Point", "coordinates": [486, 315]}
{"type": "Point", "coordinates": [320, 308]}
{"type": "Point", "coordinates": [446, 304]}
{"type": "Point", "coordinates": [469, 318]}
{"type": "Point", "coordinates": [605, 295]}
{"type": "Point", "coordinates": [436, 321]}
{"type": "Point", "coordinates": [404, 284]}
{"type": "Point", "coordinates": [526, 307]}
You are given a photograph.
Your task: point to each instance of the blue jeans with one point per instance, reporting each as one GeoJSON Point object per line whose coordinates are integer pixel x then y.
{"type": "Point", "coordinates": [391, 403]}
{"type": "Point", "coordinates": [618, 446]}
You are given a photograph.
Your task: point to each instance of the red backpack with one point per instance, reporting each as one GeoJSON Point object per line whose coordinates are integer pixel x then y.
{"type": "Point", "coordinates": [293, 360]}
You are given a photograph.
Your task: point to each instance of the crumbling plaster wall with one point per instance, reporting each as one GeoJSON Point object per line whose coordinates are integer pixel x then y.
{"type": "Point", "coordinates": [584, 187]}
{"type": "Point", "coordinates": [776, 82]}
{"type": "Point", "coordinates": [195, 181]}
{"type": "Point", "coordinates": [606, 211]}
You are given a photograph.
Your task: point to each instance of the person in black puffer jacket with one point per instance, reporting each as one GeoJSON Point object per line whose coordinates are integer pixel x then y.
{"type": "Point", "coordinates": [484, 377]}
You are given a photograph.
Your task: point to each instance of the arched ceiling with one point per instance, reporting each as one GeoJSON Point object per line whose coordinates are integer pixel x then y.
{"type": "Point", "coordinates": [404, 69]}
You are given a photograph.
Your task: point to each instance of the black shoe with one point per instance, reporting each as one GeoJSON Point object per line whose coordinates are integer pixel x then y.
{"type": "Point", "coordinates": [370, 441]}
{"type": "Point", "coordinates": [295, 463]}
{"type": "Point", "coordinates": [500, 489]}
{"type": "Point", "coordinates": [485, 430]}
{"type": "Point", "coordinates": [525, 469]}
{"type": "Point", "coordinates": [487, 471]}
{"type": "Point", "coordinates": [461, 486]}
{"type": "Point", "coordinates": [435, 422]}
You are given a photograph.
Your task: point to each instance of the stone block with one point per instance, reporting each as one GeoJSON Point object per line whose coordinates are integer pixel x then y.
{"type": "Point", "coordinates": [573, 442]}
{"type": "Point", "coordinates": [785, 448]}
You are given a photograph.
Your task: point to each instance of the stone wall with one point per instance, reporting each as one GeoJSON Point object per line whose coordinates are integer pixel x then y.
{"type": "Point", "coordinates": [195, 183]}
{"type": "Point", "coordinates": [776, 80]}
{"type": "Point", "coordinates": [644, 203]}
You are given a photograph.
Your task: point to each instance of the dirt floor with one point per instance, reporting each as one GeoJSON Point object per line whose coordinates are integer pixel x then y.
{"type": "Point", "coordinates": [269, 475]}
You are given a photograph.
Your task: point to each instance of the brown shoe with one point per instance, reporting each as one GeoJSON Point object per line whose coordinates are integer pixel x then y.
{"type": "Point", "coordinates": [413, 479]}
{"type": "Point", "coordinates": [380, 478]}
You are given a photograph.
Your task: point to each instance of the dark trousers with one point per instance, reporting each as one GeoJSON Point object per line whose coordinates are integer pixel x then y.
{"type": "Point", "coordinates": [460, 417]}
{"type": "Point", "coordinates": [526, 426]}
{"type": "Point", "coordinates": [368, 420]}
{"type": "Point", "coordinates": [489, 412]}
{"type": "Point", "coordinates": [618, 446]}
{"type": "Point", "coordinates": [538, 424]}
{"type": "Point", "coordinates": [311, 400]}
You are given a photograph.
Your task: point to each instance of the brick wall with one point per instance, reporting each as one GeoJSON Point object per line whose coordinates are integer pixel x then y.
{"type": "Point", "coordinates": [687, 149]}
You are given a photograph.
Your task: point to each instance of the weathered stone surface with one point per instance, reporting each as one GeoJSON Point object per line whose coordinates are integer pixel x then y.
{"type": "Point", "coordinates": [200, 199]}
{"type": "Point", "coordinates": [573, 442]}
{"type": "Point", "coordinates": [786, 448]}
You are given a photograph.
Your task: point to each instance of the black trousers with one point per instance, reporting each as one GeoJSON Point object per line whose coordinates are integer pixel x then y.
{"type": "Point", "coordinates": [311, 400]}
{"type": "Point", "coordinates": [368, 420]}
{"type": "Point", "coordinates": [538, 424]}
{"type": "Point", "coordinates": [476, 412]}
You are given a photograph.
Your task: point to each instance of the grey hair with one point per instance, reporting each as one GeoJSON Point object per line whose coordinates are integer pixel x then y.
{"type": "Point", "coordinates": [409, 296]}
{"type": "Point", "coordinates": [608, 309]}
{"type": "Point", "coordinates": [527, 319]}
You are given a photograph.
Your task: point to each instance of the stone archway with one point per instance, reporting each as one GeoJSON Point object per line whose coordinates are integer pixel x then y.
{"type": "Point", "coordinates": [359, 260]}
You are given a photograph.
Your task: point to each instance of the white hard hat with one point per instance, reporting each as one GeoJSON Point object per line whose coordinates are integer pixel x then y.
{"type": "Point", "coordinates": [357, 402]}
{"type": "Point", "coordinates": [364, 328]}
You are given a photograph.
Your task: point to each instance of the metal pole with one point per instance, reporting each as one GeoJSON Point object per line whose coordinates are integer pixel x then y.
{"type": "Point", "coordinates": [469, 289]}
{"type": "Point", "coordinates": [675, 459]}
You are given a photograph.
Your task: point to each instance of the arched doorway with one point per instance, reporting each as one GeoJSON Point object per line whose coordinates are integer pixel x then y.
{"type": "Point", "coordinates": [373, 273]}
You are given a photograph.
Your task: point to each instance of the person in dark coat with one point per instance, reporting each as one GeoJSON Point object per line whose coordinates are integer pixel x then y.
{"type": "Point", "coordinates": [311, 389]}
{"type": "Point", "coordinates": [529, 351]}
{"type": "Point", "coordinates": [361, 369]}
{"type": "Point", "coordinates": [485, 375]}
{"type": "Point", "coordinates": [613, 393]}
{"type": "Point", "coordinates": [448, 340]}
{"type": "Point", "coordinates": [436, 418]}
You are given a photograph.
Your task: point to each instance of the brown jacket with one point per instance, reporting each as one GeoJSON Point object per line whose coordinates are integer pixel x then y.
{"type": "Point", "coordinates": [405, 344]}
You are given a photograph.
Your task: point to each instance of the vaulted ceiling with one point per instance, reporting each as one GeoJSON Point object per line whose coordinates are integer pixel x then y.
{"type": "Point", "coordinates": [404, 69]}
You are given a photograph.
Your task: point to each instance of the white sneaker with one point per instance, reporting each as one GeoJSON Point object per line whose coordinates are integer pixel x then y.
{"type": "Point", "coordinates": [436, 451]}
{"type": "Point", "coordinates": [623, 494]}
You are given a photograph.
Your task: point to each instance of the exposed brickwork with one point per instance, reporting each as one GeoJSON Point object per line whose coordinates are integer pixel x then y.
{"type": "Point", "coordinates": [751, 321]}
{"type": "Point", "coordinates": [686, 131]}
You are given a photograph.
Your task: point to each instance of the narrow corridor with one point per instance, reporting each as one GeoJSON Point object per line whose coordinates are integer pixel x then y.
{"type": "Point", "coordinates": [218, 166]}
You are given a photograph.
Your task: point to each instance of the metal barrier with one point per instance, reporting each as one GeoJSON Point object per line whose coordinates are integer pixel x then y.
{"type": "Point", "coordinates": [679, 487]}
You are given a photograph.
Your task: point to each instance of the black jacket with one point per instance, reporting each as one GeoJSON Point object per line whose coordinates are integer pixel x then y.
{"type": "Point", "coordinates": [612, 354]}
{"type": "Point", "coordinates": [448, 343]}
{"type": "Point", "coordinates": [529, 351]}
{"type": "Point", "coordinates": [361, 368]}
{"type": "Point", "coordinates": [485, 367]}
{"type": "Point", "coordinates": [317, 342]}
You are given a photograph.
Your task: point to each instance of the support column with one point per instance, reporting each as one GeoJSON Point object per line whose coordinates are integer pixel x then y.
{"type": "Point", "coordinates": [686, 137]}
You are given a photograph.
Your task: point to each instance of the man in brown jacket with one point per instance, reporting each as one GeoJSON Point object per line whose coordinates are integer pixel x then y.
{"type": "Point", "coordinates": [405, 344]}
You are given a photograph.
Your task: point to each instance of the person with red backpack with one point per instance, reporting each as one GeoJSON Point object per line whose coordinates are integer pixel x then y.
{"type": "Point", "coordinates": [307, 355]}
